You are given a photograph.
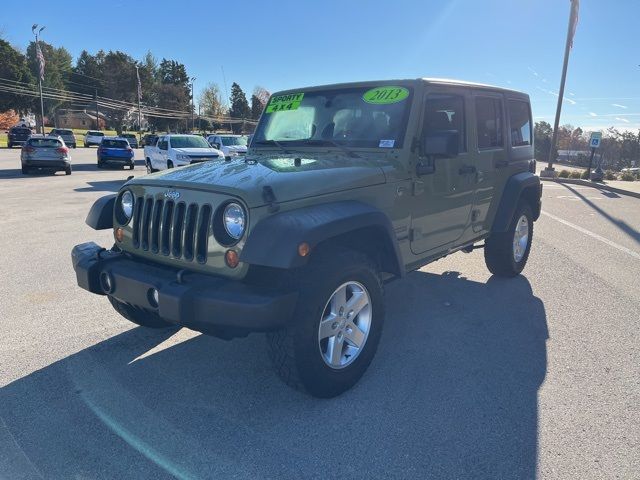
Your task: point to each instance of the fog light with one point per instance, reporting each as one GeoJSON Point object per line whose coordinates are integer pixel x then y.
{"type": "Point", "coordinates": [231, 258]}
{"type": "Point", "coordinates": [304, 249]}
{"type": "Point", "coordinates": [119, 234]}
{"type": "Point", "coordinates": [106, 283]}
{"type": "Point", "coordinates": [153, 297]}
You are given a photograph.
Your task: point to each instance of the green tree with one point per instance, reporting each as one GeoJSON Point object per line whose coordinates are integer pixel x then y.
{"type": "Point", "coordinates": [259, 100]}
{"type": "Point", "coordinates": [542, 134]}
{"type": "Point", "coordinates": [210, 101]}
{"type": "Point", "coordinates": [172, 97]}
{"type": "Point", "coordinates": [239, 106]}
{"type": "Point", "coordinates": [14, 67]}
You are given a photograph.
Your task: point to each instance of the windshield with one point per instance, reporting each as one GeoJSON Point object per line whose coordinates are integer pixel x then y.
{"type": "Point", "coordinates": [359, 117]}
{"type": "Point", "coordinates": [187, 141]}
{"type": "Point", "coordinates": [96, 134]}
{"type": "Point", "coordinates": [231, 141]}
{"type": "Point", "coordinates": [114, 143]}
{"type": "Point", "coordinates": [129, 135]}
{"type": "Point", "coordinates": [20, 131]}
{"type": "Point", "coordinates": [65, 132]}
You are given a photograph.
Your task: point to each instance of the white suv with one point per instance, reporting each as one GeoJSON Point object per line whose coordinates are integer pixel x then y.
{"type": "Point", "coordinates": [93, 137]}
{"type": "Point", "coordinates": [231, 145]}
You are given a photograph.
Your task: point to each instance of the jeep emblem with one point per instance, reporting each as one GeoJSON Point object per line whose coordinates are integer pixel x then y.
{"type": "Point", "coordinates": [172, 194]}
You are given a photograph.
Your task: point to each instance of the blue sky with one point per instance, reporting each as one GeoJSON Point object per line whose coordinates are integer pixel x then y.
{"type": "Point", "coordinates": [287, 44]}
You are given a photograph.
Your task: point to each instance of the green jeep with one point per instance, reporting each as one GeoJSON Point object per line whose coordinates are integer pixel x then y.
{"type": "Point", "coordinates": [344, 188]}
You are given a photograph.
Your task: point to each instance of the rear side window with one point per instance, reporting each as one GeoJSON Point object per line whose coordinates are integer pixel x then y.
{"type": "Point", "coordinates": [489, 122]}
{"type": "Point", "coordinates": [45, 142]}
{"type": "Point", "coordinates": [520, 123]}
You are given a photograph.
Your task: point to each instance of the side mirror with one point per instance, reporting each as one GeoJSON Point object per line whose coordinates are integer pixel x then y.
{"type": "Point", "coordinates": [216, 145]}
{"type": "Point", "coordinates": [444, 143]}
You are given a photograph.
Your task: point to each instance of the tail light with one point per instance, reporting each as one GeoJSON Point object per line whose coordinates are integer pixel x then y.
{"type": "Point", "coordinates": [28, 149]}
{"type": "Point", "coordinates": [63, 150]}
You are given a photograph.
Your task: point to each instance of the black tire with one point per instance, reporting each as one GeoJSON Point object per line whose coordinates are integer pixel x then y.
{"type": "Point", "coordinates": [9, 145]}
{"type": "Point", "coordinates": [499, 247]}
{"type": "Point", "coordinates": [150, 169]}
{"type": "Point", "coordinates": [169, 164]}
{"type": "Point", "coordinates": [25, 170]}
{"type": "Point", "coordinates": [139, 316]}
{"type": "Point", "coordinates": [67, 171]}
{"type": "Point", "coordinates": [100, 164]}
{"type": "Point", "coordinates": [295, 350]}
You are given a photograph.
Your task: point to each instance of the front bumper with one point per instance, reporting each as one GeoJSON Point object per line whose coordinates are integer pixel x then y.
{"type": "Point", "coordinates": [209, 304]}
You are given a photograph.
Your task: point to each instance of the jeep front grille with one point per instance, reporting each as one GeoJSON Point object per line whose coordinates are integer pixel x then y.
{"type": "Point", "coordinates": [172, 228]}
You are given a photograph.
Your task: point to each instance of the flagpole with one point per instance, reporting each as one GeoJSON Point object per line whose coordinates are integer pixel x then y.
{"type": "Point", "coordinates": [549, 170]}
{"type": "Point", "coordinates": [41, 74]}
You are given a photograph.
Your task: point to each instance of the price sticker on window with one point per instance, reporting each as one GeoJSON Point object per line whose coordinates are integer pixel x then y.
{"type": "Point", "coordinates": [280, 103]}
{"type": "Point", "coordinates": [386, 94]}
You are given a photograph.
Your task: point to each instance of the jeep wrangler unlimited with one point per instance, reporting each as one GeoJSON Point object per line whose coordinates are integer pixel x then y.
{"type": "Point", "coordinates": [345, 187]}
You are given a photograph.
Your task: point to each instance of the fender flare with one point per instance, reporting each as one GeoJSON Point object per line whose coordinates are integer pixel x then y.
{"type": "Point", "coordinates": [521, 184]}
{"type": "Point", "coordinates": [100, 215]}
{"type": "Point", "coordinates": [274, 241]}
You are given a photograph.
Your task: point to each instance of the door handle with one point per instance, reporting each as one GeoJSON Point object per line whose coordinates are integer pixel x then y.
{"type": "Point", "coordinates": [467, 169]}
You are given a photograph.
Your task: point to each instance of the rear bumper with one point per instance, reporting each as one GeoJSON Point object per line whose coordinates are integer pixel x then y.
{"type": "Point", "coordinates": [46, 163]}
{"type": "Point", "coordinates": [118, 160]}
{"type": "Point", "coordinates": [212, 305]}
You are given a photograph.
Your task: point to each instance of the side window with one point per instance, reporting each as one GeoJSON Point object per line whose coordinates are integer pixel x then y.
{"type": "Point", "coordinates": [519, 123]}
{"type": "Point", "coordinates": [489, 122]}
{"type": "Point", "coordinates": [445, 114]}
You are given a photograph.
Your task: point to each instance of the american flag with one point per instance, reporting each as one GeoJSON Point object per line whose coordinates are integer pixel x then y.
{"type": "Point", "coordinates": [575, 7]}
{"type": "Point", "coordinates": [40, 60]}
{"type": "Point", "coordinates": [139, 85]}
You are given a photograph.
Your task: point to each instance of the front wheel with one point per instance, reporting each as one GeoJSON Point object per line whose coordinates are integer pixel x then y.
{"type": "Point", "coordinates": [336, 327]}
{"type": "Point", "coordinates": [25, 170]}
{"type": "Point", "coordinates": [67, 171]}
{"type": "Point", "coordinates": [139, 316]}
{"type": "Point", "coordinates": [506, 253]}
{"type": "Point", "coordinates": [169, 164]}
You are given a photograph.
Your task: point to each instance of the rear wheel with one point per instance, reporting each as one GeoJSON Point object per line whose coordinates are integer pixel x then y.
{"type": "Point", "coordinates": [150, 169]}
{"type": "Point", "coordinates": [506, 253]}
{"type": "Point", "coordinates": [25, 170]}
{"type": "Point", "coordinates": [67, 170]}
{"type": "Point", "coordinates": [336, 327]}
{"type": "Point", "coordinates": [139, 316]}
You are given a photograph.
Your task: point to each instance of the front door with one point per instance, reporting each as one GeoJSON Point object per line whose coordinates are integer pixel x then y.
{"type": "Point", "coordinates": [443, 199]}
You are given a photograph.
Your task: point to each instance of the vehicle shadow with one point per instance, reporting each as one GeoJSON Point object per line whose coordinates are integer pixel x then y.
{"type": "Point", "coordinates": [101, 186]}
{"type": "Point", "coordinates": [452, 393]}
{"type": "Point", "coordinates": [621, 224]}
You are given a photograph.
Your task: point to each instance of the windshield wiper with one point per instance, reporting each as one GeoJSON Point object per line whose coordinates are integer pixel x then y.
{"type": "Point", "coordinates": [327, 141]}
{"type": "Point", "coordinates": [273, 142]}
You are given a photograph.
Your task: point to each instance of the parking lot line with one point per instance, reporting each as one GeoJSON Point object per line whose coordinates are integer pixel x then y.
{"type": "Point", "coordinates": [615, 245]}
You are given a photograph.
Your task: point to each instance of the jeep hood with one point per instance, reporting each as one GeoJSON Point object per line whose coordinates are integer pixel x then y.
{"type": "Point", "coordinates": [317, 175]}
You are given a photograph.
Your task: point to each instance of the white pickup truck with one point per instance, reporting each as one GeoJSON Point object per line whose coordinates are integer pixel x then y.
{"type": "Point", "coordinates": [171, 151]}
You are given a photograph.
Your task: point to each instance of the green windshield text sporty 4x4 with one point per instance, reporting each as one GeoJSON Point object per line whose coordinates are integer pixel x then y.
{"type": "Point", "coordinates": [344, 188]}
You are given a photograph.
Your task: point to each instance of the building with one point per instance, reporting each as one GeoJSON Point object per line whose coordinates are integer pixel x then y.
{"type": "Point", "coordinates": [67, 118]}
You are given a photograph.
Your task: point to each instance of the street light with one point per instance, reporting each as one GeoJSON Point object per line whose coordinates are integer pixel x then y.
{"type": "Point", "coordinates": [40, 57]}
{"type": "Point", "coordinates": [193, 79]}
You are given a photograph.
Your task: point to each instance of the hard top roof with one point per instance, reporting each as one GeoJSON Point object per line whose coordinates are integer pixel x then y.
{"type": "Point", "coordinates": [406, 81]}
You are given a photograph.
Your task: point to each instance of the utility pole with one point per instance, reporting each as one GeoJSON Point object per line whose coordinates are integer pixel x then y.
{"type": "Point", "coordinates": [139, 108]}
{"type": "Point", "coordinates": [193, 125]}
{"type": "Point", "coordinates": [571, 30]}
{"type": "Point", "coordinates": [40, 73]}
{"type": "Point", "coordinates": [97, 112]}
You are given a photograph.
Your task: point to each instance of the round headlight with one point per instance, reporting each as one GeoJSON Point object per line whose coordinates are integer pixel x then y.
{"type": "Point", "coordinates": [126, 203]}
{"type": "Point", "coordinates": [234, 220]}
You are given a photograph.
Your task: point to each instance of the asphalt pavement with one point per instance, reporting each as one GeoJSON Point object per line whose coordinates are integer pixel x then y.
{"type": "Point", "coordinates": [475, 377]}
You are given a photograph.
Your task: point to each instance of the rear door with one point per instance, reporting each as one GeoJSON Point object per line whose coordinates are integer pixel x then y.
{"type": "Point", "coordinates": [443, 200]}
{"type": "Point", "coordinates": [490, 140]}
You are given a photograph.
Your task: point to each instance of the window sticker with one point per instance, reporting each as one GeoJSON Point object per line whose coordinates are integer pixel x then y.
{"type": "Point", "coordinates": [386, 94]}
{"type": "Point", "coordinates": [386, 143]}
{"type": "Point", "coordinates": [284, 102]}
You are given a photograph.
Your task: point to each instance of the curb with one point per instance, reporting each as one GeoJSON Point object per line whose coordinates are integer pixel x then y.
{"type": "Point", "coordinates": [601, 186]}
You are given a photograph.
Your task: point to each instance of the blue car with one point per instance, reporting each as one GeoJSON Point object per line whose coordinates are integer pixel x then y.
{"type": "Point", "coordinates": [115, 151]}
